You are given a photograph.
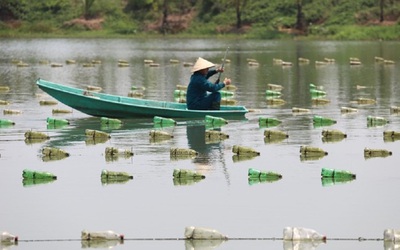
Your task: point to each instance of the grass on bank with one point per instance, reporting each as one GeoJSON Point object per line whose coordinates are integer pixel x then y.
{"type": "Point", "coordinates": [122, 29]}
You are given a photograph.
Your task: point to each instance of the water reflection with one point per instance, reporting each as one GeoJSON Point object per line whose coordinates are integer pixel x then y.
{"type": "Point", "coordinates": [202, 244]}
{"type": "Point", "coordinates": [101, 243]}
{"type": "Point", "coordinates": [301, 245]}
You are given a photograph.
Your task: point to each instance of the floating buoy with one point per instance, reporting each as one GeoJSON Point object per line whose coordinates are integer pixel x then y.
{"type": "Point", "coordinates": [112, 175]}
{"type": "Point", "coordinates": [164, 121]}
{"type": "Point", "coordinates": [316, 92]}
{"type": "Point", "coordinates": [11, 112]}
{"type": "Point", "coordinates": [2, 102]}
{"type": "Point", "coordinates": [329, 60]}
{"type": "Point", "coordinates": [112, 151]}
{"type": "Point", "coordinates": [31, 174]}
{"type": "Point", "coordinates": [22, 64]}
{"type": "Point", "coordinates": [225, 93]}
{"type": "Point", "coordinates": [215, 135]}
{"type": "Point", "coordinates": [378, 59]}
{"type": "Point", "coordinates": [187, 174]}
{"type": "Point", "coordinates": [59, 122]}
{"type": "Point", "coordinates": [135, 94]}
{"type": "Point", "coordinates": [101, 235]}
{"type": "Point", "coordinates": [348, 110]}
{"type": "Point", "coordinates": [187, 64]}
{"type": "Point", "coordinates": [94, 61]}
{"type": "Point", "coordinates": [230, 87]}
{"type": "Point", "coordinates": [355, 62]}
{"type": "Point", "coordinates": [50, 151]}
{"type": "Point", "coordinates": [242, 150]}
{"type": "Point", "coordinates": [148, 61]}
{"type": "Point", "coordinates": [123, 65]}
{"type": "Point", "coordinates": [333, 134]}
{"type": "Point", "coordinates": [226, 101]}
{"type": "Point", "coordinates": [274, 87]}
{"type": "Point", "coordinates": [4, 88]}
{"type": "Point", "coordinates": [61, 111]}
{"type": "Point", "coordinates": [201, 233]}
{"type": "Point", "coordinates": [6, 237]}
{"type": "Point", "coordinates": [183, 152]}
{"type": "Point", "coordinates": [388, 134]}
{"type": "Point", "coordinates": [88, 65]}
{"type": "Point", "coordinates": [303, 60]}
{"type": "Point", "coordinates": [182, 87]}
{"type": "Point", "coordinates": [70, 61]}
{"type": "Point", "coordinates": [6, 122]}
{"type": "Point", "coordinates": [392, 235]}
{"type": "Point", "coordinates": [122, 61]}
{"type": "Point", "coordinates": [376, 120]}
{"type": "Point", "coordinates": [323, 120]}
{"type": "Point", "coordinates": [368, 152]}
{"type": "Point", "coordinates": [56, 65]}
{"type": "Point", "coordinates": [213, 120]}
{"type": "Point", "coordinates": [300, 110]}
{"type": "Point", "coordinates": [109, 121]}
{"type": "Point", "coordinates": [174, 61]}
{"type": "Point", "coordinates": [362, 100]}
{"type": "Point", "coordinates": [35, 135]}
{"type": "Point", "coordinates": [254, 64]}
{"type": "Point", "coordinates": [320, 63]}
{"type": "Point", "coordinates": [312, 151]}
{"type": "Point", "coordinates": [272, 93]}
{"type": "Point", "coordinates": [96, 134]}
{"type": "Point", "coordinates": [48, 102]}
{"type": "Point", "coordinates": [258, 174]}
{"type": "Point", "coordinates": [319, 101]}
{"type": "Point", "coordinates": [394, 109]}
{"type": "Point", "coordinates": [157, 134]}
{"type": "Point", "coordinates": [388, 62]}
{"type": "Point", "coordinates": [334, 173]}
{"type": "Point", "coordinates": [268, 121]}
{"type": "Point", "coordinates": [275, 134]}
{"type": "Point", "coordinates": [312, 86]}
{"type": "Point", "coordinates": [302, 234]}
{"type": "Point", "coordinates": [93, 88]}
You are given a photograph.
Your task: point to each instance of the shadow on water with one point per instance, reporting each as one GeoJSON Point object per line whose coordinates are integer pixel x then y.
{"type": "Point", "coordinates": [210, 154]}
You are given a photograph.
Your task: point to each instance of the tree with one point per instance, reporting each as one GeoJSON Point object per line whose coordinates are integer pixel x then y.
{"type": "Point", "coordinates": [239, 6]}
{"type": "Point", "coordinates": [300, 20]}
{"type": "Point", "coordinates": [87, 4]}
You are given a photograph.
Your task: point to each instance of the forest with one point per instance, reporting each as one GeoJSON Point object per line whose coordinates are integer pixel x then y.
{"type": "Point", "coordinates": [256, 19]}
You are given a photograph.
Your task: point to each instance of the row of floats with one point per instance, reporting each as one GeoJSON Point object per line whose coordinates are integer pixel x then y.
{"type": "Point", "coordinates": [209, 238]}
{"type": "Point", "coordinates": [94, 62]}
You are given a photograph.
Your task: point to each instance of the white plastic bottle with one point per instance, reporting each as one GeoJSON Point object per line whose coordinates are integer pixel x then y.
{"type": "Point", "coordinates": [299, 233]}
{"type": "Point", "coordinates": [101, 235]}
{"type": "Point", "coordinates": [391, 235]}
{"type": "Point", "coordinates": [203, 233]}
{"type": "Point", "coordinates": [7, 237]}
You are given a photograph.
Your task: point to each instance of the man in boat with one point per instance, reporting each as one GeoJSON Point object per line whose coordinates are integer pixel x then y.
{"type": "Point", "coordinates": [197, 96]}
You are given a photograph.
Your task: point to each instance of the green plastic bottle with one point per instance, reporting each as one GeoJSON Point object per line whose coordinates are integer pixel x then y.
{"type": "Point", "coordinates": [323, 120]}
{"type": "Point", "coordinates": [163, 121]}
{"type": "Point", "coordinates": [55, 121]}
{"type": "Point", "coordinates": [187, 174]}
{"type": "Point", "coordinates": [179, 93]}
{"type": "Point", "coordinates": [268, 121]}
{"type": "Point", "coordinates": [6, 122]}
{"type": "Point", "coordinates": [316, 92]}
{"type": "Point", "coordinates": [255, 173]}
{"type": "Point", "coordinates": [31, 174]}
{"type": "Point", "coordinates": [215, 120]}
{"type": "Point", "coordinates": [334, 173]}
{"type": "Point", "coordinates": [376, 120]}
{"type": "Point", "coordinates": [225, 93]}
{"type": "Point", "coordinates": [272, 93]}
{"type": "Point", "coordinates": [112, 175]}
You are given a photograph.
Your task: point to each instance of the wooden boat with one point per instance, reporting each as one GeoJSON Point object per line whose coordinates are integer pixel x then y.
{"type": "Point", "coordinates": [106, 105]}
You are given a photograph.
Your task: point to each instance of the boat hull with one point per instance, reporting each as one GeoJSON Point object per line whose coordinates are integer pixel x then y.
{"type": "Point", "coordinates": [113, 106]}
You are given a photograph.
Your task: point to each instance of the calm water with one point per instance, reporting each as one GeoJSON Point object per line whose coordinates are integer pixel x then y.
{"type": "Point", "coordinates": [152, 205]}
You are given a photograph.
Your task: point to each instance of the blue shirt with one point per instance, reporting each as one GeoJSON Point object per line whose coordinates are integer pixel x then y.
{"type": "Point", "coordinates": [199, 86]}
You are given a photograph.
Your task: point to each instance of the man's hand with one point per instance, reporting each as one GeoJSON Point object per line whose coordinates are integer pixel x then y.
{"type": "Point", "coordinates": [227, 81]}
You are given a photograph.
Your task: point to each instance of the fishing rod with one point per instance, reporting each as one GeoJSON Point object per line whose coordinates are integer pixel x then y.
{"type": "Point", "coordinates": [222, 66]}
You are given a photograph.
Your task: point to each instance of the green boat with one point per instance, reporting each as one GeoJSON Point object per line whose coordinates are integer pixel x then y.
{"type": "Point", "coordinates": [106, 105]}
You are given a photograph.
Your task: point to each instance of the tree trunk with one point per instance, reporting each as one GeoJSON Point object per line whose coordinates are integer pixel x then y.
{"type": "Point", "coordinates": [300, 23]}
{"type": "Point", "coordinates": [164, 24]}
{"type": "Point", "coordinates": [381, 15]}
{"type": "Point", "coordinates": [238, 15]}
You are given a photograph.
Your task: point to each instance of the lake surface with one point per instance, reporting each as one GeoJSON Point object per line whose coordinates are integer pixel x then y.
{"type": "Point", "coordinates": [152, 205]}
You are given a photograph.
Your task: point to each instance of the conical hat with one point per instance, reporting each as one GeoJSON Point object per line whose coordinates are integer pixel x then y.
{"type": "Point", "coordinates": [202, 64]}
